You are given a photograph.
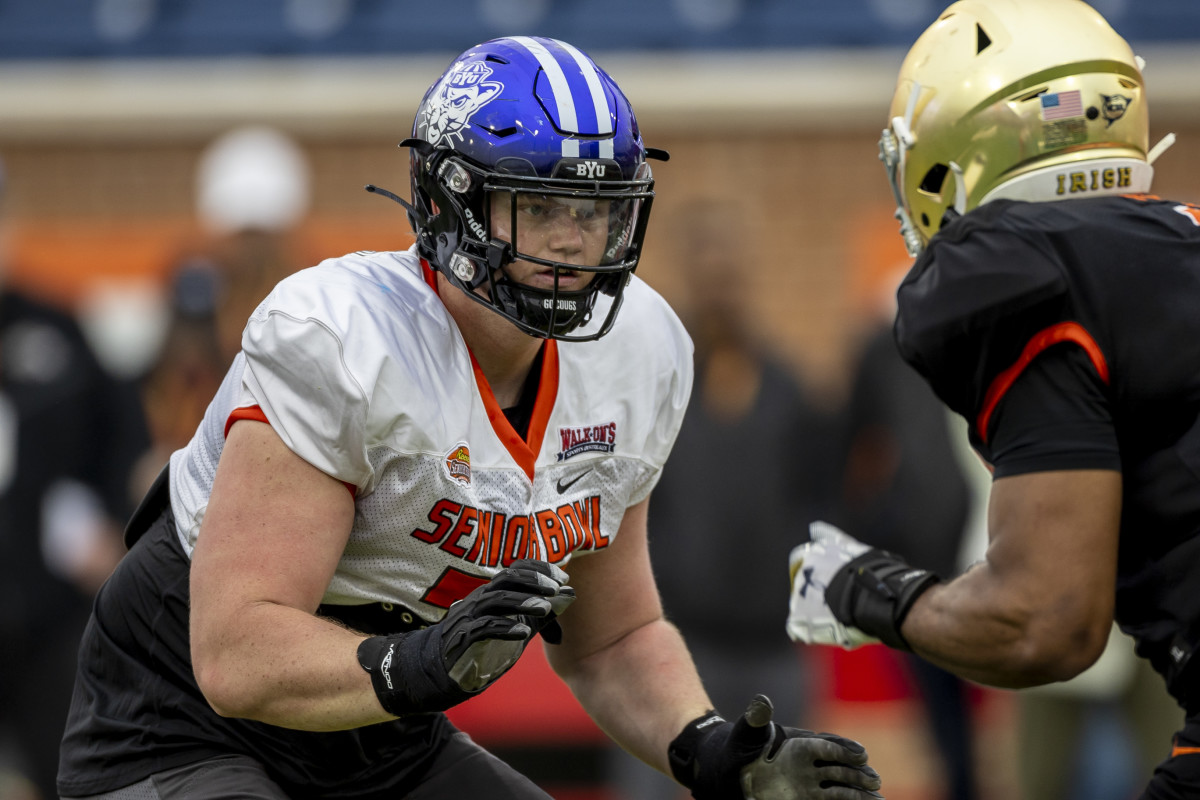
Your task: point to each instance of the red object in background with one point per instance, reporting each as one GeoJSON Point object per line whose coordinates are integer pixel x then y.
{"type": "Point", "coordinates": [530, 708]}
{"type": "Point", "coordinates": [529, 705]}
{"type": "Point", "coordinates": [873, 673]}
{"type": "Point", "coordinates": [870, 674]}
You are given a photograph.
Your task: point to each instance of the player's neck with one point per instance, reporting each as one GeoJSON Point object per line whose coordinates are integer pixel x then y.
{"type": "Point", "coordinates": [506, 365]}
{"type": "Point", "coordinates": [503, 352]}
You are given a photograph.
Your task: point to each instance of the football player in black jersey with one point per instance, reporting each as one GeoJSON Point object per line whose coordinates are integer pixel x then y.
{"type": "Point", "coordinates": [1054, 304]}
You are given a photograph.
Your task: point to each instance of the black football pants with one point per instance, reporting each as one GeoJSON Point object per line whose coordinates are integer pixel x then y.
{"type": "Point", "coordinates": [1178, 778]}
{"type": "Point", "coordinates": [462, 769]}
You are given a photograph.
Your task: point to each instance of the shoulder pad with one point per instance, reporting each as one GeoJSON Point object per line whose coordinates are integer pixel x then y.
{"type": "Point", "coordinates": [971, 301]}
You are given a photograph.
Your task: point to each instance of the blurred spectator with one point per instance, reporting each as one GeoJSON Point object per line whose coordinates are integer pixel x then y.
{"type": "Point", "coordinates": [747, 474]}
{"type": "Point", "coordinates": [1098, 736]}
{"type": "Point", "coordinates": [252, 192]}
{"type": "Point", "coordinates": [69, 433]}
{"type": "Point", "coordinates": [904, 490]}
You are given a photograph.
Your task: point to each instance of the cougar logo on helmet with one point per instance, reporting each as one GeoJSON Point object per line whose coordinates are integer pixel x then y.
{"type": "Point", "coordinates": [521, 138]}
{"type": "Point", "coordinates": [463, 91]}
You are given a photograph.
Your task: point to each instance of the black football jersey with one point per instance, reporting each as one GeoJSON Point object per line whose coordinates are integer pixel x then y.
{"type": "Point", "coordinates": [1068, 336]}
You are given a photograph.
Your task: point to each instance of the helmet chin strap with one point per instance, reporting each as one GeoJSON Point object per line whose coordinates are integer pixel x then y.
{"type": "Point", "coordinates": [413, 216]}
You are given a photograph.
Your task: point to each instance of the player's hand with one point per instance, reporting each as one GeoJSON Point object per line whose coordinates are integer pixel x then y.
{"type": "Point", "coordinates": [846, 593]}
{"type": "Point", "coordinates": [813, 565]}
{"type": "Point", "coordinates": [478, 640]}
{"type": "Point", "coordinates": [757, 759]}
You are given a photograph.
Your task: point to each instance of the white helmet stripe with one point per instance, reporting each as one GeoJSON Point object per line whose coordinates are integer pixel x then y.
{"type": "Point", "coordinates": [603, 118]}
{"type": "Point", "coordinates": [562, 91]}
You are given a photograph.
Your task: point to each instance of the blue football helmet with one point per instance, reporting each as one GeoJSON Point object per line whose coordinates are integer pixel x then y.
{"type": "Point", "coordinates": [518, 136]}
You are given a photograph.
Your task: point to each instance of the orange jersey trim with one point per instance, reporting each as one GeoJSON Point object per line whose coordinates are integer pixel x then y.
{"type": "Point", "coordinates": [524, 453]}
{"type": "Point", "coordinates": [1184, 751]}
{"type": "Point", "coordinates": [1055, 334]}
{"type": "Point", "coordinates": [256, 413]}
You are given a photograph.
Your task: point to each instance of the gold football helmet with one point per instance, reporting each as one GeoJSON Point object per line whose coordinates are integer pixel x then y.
{"type": "Point", "coordinates": [1025, 99]}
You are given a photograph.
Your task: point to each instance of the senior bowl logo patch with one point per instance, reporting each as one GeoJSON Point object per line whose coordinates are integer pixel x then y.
{"type": "Point", "coordinates": [463, 91]}
{"type": "Point", "coordinates": [587, 439]}
{"type": "Point", "coordinates": [458, 464]}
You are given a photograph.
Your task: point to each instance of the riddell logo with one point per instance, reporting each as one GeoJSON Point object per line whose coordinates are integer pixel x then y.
{"type": "Point", "coordinates": [458, 464]}
{"type": "Point", "coordinates": [474, 225]}
{"type": "Point", "coordinates": [587, 439]}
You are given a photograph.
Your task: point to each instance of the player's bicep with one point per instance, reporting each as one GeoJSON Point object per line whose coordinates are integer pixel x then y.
{"type": "Point", "coordinates": [1053, 539]}
{"type": "Point", "coordinates": [273, 531]}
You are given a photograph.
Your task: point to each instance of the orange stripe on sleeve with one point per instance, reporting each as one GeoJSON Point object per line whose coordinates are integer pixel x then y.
{"type": "Point", "coordinates": [250, 412]}
{"type": "Point", "coordinates": [256, 413]}
{"type": "Point", "coordinates": [1055, 334]}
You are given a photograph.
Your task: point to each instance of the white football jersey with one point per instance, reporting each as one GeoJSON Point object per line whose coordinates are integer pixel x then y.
{"type": "Point", "coordinates": [359, 368]}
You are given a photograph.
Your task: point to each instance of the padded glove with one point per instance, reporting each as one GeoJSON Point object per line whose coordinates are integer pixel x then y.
{"type": "Point", "coordinates": [848, 594]}
{"type": "Point", "coordinates": [756, 759]}
{"type": "Point", "coordinates": [478, 640]}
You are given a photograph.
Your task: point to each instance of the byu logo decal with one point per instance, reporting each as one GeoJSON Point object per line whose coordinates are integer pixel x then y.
{"type": "Point", "coordinates": [463, 91]}
{"type": "Point", "coordinates": [589, 169]}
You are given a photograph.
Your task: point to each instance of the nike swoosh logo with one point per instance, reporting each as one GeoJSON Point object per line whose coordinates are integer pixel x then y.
{"type": "Point", "coordinates": [564, 484]}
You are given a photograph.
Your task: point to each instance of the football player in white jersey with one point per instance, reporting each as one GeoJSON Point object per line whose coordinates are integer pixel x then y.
{"type": "Point", "coordinates": [419, 461]}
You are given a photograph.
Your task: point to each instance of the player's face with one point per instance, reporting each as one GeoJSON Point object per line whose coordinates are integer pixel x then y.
{"type": "Point", "coordinates": [571, 230]}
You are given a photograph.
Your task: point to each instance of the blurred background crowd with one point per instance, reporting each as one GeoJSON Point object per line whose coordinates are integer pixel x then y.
{"type": "Point", "coordinates": [165, 162]}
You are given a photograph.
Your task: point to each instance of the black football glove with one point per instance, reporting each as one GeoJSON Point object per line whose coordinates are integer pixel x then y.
{"type": "Point", "coordinates": [756, 759]}
{"type": "Point", "coordinates": [478, 640]}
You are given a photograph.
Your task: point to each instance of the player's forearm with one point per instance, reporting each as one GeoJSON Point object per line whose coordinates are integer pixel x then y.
{"type": "Point", "coordinates": [641, 690]}
{"type": "Point", "coordinates": [985, 629]}
{"type": "Point", "coordinates": [284, 667]}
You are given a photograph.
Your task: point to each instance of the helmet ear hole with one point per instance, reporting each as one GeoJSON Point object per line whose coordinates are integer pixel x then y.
{"type": "Point", "coordinates": [982, 40]}
{"type": "Point", "coordinates": [934, 179]}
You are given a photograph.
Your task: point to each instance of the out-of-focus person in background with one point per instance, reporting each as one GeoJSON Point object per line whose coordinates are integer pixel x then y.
{"type": "Point", "coordinates": [1098, 736]}
{"type": "Point", "coordinates": [252, 192]}
{"type": "Point", "coordinates": [1052, 305]}
{"type": "Point", "coordinates": [905, 488]}
{"type": "Point", "coordinates": [749, 468]}
{"type": "Point", "coordinates": [253, 189]}
{"type": "Point", "coordinates": [69, 434]}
